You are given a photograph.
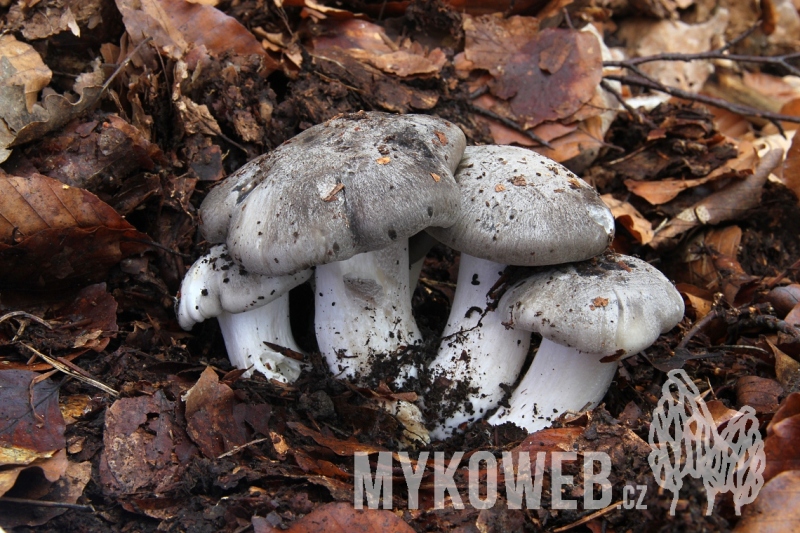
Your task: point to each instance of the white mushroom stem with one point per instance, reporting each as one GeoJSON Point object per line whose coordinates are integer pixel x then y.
{"type": "Point", "coordinates": [560, 379]}
{"type": "Point", "coordinates": [252, 309]}
{"type": "Point", "coordinates": [363, 311]}
{"type": "Point", "coordinates": [477, 351]}
{"type": "Point", "coordinates": [246, 333]}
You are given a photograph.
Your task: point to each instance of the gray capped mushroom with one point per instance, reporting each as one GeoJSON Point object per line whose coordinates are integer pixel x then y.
{"type": "Point", "coordinates": [344, 196]}
{"type": "Point", "coordinates": [252, 309]}
{"type": "Point", "coordinates": [517, 208]}
{"type": "Point", "coordinates": [590, 315]}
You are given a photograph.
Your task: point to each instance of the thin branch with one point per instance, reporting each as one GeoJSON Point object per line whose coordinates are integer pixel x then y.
{"type": "Point", "coordinates": [711, 54]}
{"type": "Point", "coordinates": [80, 376]}
{"type": "Point", "coordinates": [650, 83]}
{"type": "Point", "coordinates": [629, 108]}
{"type": "Point", "coordinates": [45, 503]}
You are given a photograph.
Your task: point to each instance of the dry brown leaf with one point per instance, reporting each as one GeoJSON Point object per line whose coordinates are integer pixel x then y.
{"type": "Point", "coordinates": [646, 37]}
{"type": "Point", "coordinates": [699, 302]}
{"type": "Point", "coordinates": [55, 235]}
{"type": "Point", "coordinates": [177, 25]}
{"type": "Point", "coordinates": [725, 204]}
{"type": "Point", "coordinates": [28, 430]}
{"type": "Point", "coordinates": [793, 316]}
{"type": "Point", "coordinates": [783, 434]}
{"type": "Point", "coordinates": [344, 448]}
{"type": "Point", "coordinates": [787, 369]}
{"type": "Point", "coordinates": [369, 43]}
{"type": "Point", "coordinates": [784, 299]}
{"type": "Point", "coordinates": [63, 481]}
{"type": "Point", "coordinates": [212, 419]}
{"type": "Point", "coordinates": [22, 67]}
{"type": "Point", "coordinates": [526, 64]}
{"type": "Point", "coordinates": [630, 218]}
{"type": "Point", "coordinates": [761, 394]}
{"type": "Point", "coordinates": [38, 203]}
{"type": "Point", "coordinates": [791, 167]}
{"type": "Point", "coordinates": [776, 509]}
{"type": "Point", "coordinates": [145, 448]}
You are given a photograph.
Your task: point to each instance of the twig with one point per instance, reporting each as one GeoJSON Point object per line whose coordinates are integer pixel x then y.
{"type": "Point", "coordinates": [124, 63]}
{"type": "Point", "coordinates": [649, 83]}
{"type": "Point", "coordinates": [237, 449]}
{"type": "Point", "coordinates": [629, 108]}
{"type": "Point", "coordinates": [711, 54]}
{"type": "Point", "coordinates": [45, 503]}
{"type": "Point", "coordinates": [700, 324]}
{"type": "Point", "coordinates": [510, 124]}
{"type": "Point", "coordinates": [58, 365]}
{"type": "Point", "coordinates": [601, 512]}
{"type": "Point", "coordinates": [35, 318]}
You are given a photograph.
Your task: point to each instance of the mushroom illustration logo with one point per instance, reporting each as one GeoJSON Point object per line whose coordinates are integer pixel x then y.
{"type": "Point", "coordinates": [685, 441]}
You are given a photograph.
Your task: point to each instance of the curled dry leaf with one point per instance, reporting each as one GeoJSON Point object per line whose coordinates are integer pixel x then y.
{"type": "Point", "coordinates": [176, 26]}
{"type": "Point", "coordinates": [67, 487]}
{"type": "Point", "coordinates": [55, 235]}
{"type": "Point", "coordinates": [630, 218]}
{"type": "Point", "coordinates": [369, 43]}
{"type": "Point", "coordinates": [22, 68]}
{"type": "Point", "coordinates": [23, 120]}
{"type": "Point", "coordinates": [341, 518]}
{"type": "Point", "coordinates": [787, 369]}
{"type": "Point", "coordinates": [791, 167]}
{"type": "Point", "coordinates": [725, 204]}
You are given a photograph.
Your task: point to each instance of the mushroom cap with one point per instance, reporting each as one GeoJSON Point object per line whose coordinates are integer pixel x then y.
{"type": "Point", "coordinates": [353, 184]}
{"type": "Point", "coordinates": [214, 284]}
{"type": "Point", "coordinates": [610, 305]}
{"type": "Point", "coordinates": [521, 208]}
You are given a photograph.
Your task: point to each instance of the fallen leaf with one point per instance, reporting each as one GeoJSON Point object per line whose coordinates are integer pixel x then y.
{"type": "Point", "coordinates": [53, 235]}
{"type": "Point", "coordinates": [67, 488]}
{"type": "Point", "coordinates": [630, 218]}
{"type": "Point", "coordinates": [791, 167]}
{"type": "Point", "coordinates": [345, 448]}
{"type": "Point", "coordinates": [787, 369]}
{"type": "Point", "coordinates": [699, 302]}
{"type": "Point", "coordinates": [212, 419]}
{"type": "Point", "coordinates": [777, 507]}
{"type": "Point", "coordinates": [31, 425]}
{"type": "Point", "coordinates": [22, 67]}
{"type": "Point", "coordinates": [369, 43]}
{"type": "Point", "coordinates": [783, 432]}
{"type": "Point", "coordinates": [176, 26]}
{"type": "Point", "coordinates": [647, 37]}
{"type": "Point", "coordinates": [145, 448]}
{"type": "Point", "coordinates": [784, 298]}
{"type": "Point", "coordinates": [761, 394]}
{"type": "Point", "coordinates": [725, 204]}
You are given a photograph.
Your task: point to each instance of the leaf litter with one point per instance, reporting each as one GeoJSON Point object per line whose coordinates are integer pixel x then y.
{"type": "Point", "coordinates": [98, 223]}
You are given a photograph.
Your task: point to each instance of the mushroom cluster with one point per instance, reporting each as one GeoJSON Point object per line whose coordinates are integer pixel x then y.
{"type": "Point", "coordinates": [343, 198]}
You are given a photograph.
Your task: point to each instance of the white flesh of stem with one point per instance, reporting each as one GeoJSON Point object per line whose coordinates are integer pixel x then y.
{"type": "Point", "coordinates": [363, 311]}
{"type": "Point", "coordinates": [560, 379]}
{"type": "Point", "coordinates": [483, 356]}
{"type": "Point", "coordinates": [245, 334]}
